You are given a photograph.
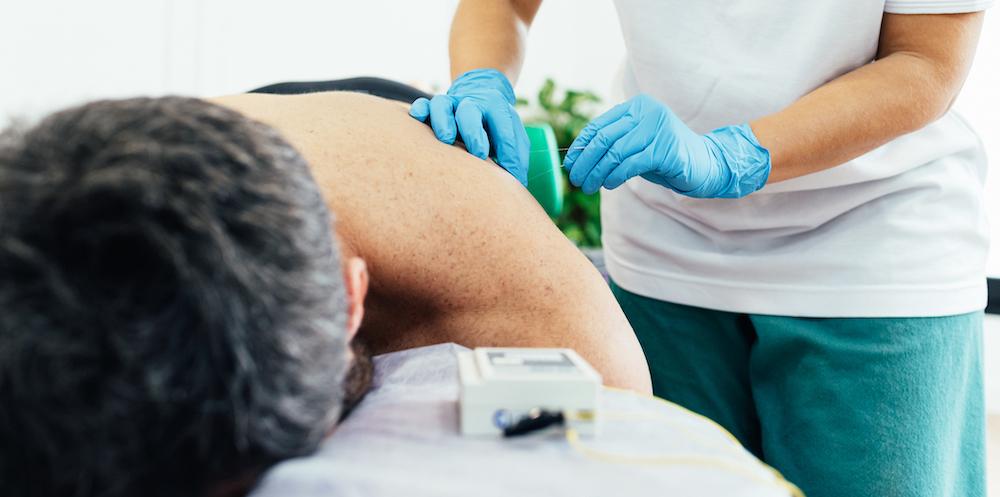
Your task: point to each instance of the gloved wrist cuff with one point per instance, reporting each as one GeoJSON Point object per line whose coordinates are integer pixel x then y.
{"type": "Point", "coordinates": [745, 163]}
{"type": "Point", "coordinates": [484, 76]}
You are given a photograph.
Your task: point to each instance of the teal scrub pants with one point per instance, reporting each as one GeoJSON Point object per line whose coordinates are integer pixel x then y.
{"type": "Point", "coordinates": [841, 407]}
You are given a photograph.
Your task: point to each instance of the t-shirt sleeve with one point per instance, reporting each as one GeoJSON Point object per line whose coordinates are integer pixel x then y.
{"type": "Point", "coordinates": [936, 6]}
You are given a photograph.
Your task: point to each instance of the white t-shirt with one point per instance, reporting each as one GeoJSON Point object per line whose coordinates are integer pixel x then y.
{"type": "Point", "coordinates": [403, 440]}
{"type": "Point", "coordinates": [899, 231]}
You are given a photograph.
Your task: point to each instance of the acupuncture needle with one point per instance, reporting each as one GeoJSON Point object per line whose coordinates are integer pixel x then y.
{"type": "Point", "coordinates": [565, 149]}
{"type": "Point", "coordinates": [547, 172]}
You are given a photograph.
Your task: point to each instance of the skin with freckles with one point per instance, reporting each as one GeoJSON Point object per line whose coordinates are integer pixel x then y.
{"type": "Point", "coordinates": [456, 249]}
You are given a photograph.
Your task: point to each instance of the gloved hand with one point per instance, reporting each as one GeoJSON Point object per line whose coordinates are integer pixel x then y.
{"type": "Point", "coordinates": [480, 103]}
{"type": "Point", "coordinates": [643, 137]}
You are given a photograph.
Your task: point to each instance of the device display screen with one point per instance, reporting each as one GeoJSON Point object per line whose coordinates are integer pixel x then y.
{"type": "Point", "coordinates": [532, 362]}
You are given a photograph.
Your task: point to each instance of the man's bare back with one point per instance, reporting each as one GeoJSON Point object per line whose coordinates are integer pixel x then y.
{"type": "Point", "coordinates": [458, 251]}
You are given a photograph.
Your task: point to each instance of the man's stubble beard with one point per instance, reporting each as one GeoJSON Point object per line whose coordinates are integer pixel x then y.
{"type": "Point", "coordinates": [358, 381]}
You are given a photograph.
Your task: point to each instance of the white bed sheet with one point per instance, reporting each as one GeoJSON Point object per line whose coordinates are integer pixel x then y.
{"type": "Point", "coordinates": [403, 440]}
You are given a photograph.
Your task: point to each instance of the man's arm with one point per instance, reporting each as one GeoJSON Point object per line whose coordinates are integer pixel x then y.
{"type": "Point", "coordinates": [490, 33]}
{"type": "Point", "coordinates": [921, 65]}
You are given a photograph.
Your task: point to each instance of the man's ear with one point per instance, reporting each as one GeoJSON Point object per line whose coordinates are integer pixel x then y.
{"type": "Point", "coordinates": [356, 282]}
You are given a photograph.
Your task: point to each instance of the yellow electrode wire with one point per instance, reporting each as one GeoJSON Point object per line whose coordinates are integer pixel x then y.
{"type": "Point", "coordinates": [573, 438]}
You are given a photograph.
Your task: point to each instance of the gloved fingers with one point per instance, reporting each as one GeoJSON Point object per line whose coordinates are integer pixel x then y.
{"type": "Point", "coordinates": [592, 183]}
{"type": "Point", "coordinates": [636, 156]}
{"type": "Point", "coordinates": [443, 118]}
{"type": "Point", "coordinates": [469, 118]}
{"type": "Point", "coordinates": [632, 146]}
{"type": "Point", "coordinates": [629, 168]}
{"type": "Point", "coordinates": [509, 139]}
{"type": "Point", "coordinates": [602, 143]}
{"type": "Point", "coordinates": [590, 130]}
{"type": "Point", "coordinates": [595, 178]}
{"type": "Point", "coordinates": [420, 109]}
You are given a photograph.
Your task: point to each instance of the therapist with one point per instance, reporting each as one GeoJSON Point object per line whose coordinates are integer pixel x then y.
{"type": "Point", "coordinates": [793, 220]}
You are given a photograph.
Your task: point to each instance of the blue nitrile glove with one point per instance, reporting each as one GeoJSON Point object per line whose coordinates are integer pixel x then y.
{"type": "Point", "coordinates": [479, 106]}
{"type": "Point", "coordinates": [643, 137]}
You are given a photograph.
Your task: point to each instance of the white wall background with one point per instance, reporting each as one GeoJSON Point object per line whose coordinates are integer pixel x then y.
{"type": "Point", "coordinates": [57, 52]}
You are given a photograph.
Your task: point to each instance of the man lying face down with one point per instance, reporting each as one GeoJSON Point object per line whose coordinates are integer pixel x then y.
{"type": "Point", "coordinates": [177, 317]}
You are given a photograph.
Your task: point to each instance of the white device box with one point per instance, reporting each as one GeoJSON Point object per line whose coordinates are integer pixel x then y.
{"type": "Point", "coordinates": [510, 382]}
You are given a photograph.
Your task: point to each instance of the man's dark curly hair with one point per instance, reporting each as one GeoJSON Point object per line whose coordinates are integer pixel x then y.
{"type": "Point", "coordinates": [172, 309]}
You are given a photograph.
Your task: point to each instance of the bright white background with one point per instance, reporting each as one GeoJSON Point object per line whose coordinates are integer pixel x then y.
{"type": "Point", "coordinates": [58, 52]}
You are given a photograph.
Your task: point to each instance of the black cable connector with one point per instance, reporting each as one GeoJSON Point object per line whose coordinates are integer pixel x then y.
{"type": "Point", "coordinates": [536, 419]}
